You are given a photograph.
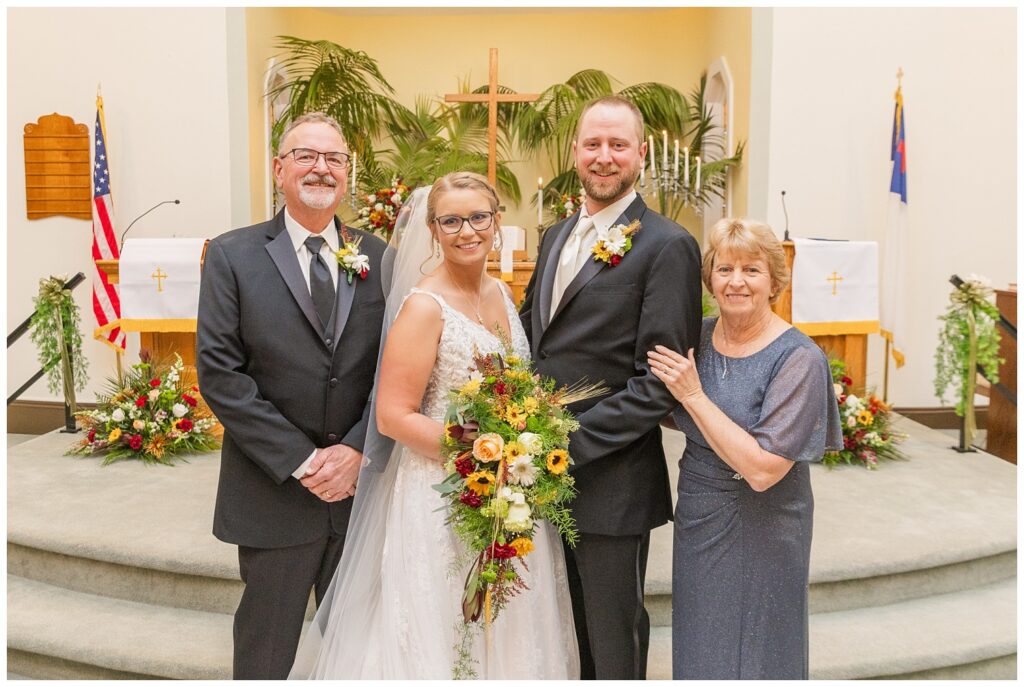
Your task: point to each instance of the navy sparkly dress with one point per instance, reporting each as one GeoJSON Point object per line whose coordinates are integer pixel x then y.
{"type": "Point", "coordinates": [740, 557]}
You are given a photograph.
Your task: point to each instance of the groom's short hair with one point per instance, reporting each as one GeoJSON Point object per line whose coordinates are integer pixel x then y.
{"type": "Point", "coordinates": [614, 101]}
{"type": "Point", "coordinates": [311, 118]}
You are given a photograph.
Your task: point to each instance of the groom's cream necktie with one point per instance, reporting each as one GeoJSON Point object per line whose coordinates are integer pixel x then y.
{"type": "Point", "coordinates": [574, 255]}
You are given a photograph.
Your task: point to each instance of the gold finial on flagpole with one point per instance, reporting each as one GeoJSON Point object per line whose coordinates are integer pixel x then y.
{"type": "Point", "coordinates": [899, 77]}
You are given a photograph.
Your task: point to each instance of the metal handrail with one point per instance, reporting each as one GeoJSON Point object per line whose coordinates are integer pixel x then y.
{"type": "Point", "coordinates": [20, 330]}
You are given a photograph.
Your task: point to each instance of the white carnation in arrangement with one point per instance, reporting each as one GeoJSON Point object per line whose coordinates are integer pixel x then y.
{"type": "Point", "coordinates": [372, 198]}
{"type": "Point", "coordinates": [852, 401]}
{"type": "Point", "coordinates": [378, 207]}
{"type": "Point", "coordinates": [519, 517]}
{"type": "Point", "coordinates": [522, 471]}
{"type": "Point", "coordinates": [531, 442]}
{"type": "Point", "coordinates": [179, 410]}
{"type": "Point", "coordinates": [117, 415]}
{"type": "Point", "coordinates": [357, 262]}
{"type": "Point", "coordinates": [154, 394]}
{"type": "Point", "coordinates": [396, 199]}
{"type": "Point", "coordinates": [851, 421]}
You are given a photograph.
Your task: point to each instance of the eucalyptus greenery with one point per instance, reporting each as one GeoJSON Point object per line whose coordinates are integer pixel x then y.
{"type": "Point", "coordinates": [55, 331]}
{"type": "Point", "coordinates": [968, 338]}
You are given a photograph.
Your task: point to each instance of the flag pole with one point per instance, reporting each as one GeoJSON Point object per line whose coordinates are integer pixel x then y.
{"type": "Point", "coordinates": [885, 377]}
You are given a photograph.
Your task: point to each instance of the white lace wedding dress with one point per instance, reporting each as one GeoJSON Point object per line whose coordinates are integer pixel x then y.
{"type": "Point", "coordinates": [413, 632]}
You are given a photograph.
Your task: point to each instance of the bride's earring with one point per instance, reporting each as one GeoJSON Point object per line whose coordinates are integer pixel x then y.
{"type": "Point", "coordinates": [437, 248]}
{"type": "Point", "coordinates": [499, 241]}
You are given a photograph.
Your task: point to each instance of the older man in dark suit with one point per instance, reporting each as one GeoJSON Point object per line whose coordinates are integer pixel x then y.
{"type": "Point", "coordinates": [287, 345]}
{"type": "Point", "coordinates": [595, 317]}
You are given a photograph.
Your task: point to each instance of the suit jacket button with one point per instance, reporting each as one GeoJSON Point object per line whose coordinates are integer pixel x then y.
{"type": "Point", "coordinates": [332, 437]}
{"type": "Point", "coordinates": [334, 382]}
{"type": "Point", "coordinates": [328, 342]}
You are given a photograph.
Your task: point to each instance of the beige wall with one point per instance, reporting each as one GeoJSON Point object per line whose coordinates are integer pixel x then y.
{"type": "Point", "coordinates": [537, 47]}
{"type": "Point", "coordinates": [167, 118]}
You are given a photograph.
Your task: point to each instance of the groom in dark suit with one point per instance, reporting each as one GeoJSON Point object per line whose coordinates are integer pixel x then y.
{"type": "Point", "coordinates": [287, 345]}
{"type": "Point", "coordinates": [595, 319]}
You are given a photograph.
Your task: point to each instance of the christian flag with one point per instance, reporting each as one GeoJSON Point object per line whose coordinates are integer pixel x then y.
{"type": "Point", "coordinates": [893, 278]}
{"type": "Point", "coordinates": [105, 302]}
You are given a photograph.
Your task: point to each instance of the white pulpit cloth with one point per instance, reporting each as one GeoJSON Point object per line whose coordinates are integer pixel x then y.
{"type": "Point", "coordinates": [159, 280]}
{"type": "Point", "coordinates": [835, 287]}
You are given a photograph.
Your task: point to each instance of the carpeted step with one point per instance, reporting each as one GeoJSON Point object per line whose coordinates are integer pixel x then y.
{"type": "Point", "coordinates": [970, 634]}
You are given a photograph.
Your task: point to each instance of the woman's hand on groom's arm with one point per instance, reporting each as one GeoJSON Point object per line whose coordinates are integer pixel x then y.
{"type": "Point", "coordinates": [333, 473]}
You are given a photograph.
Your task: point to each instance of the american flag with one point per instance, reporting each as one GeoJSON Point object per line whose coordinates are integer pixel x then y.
{"type": "Point", "coordinates": [105, 302]}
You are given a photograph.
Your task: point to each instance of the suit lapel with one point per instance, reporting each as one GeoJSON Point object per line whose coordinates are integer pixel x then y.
{"type": "Point", "coordinates": [547, 281]}
{"type": "Point", "coordinates": [282, 252]}
{"type": "Point", "coordinates": [592, 267]}
{"type": "Point", "coordinates": [346, 292]}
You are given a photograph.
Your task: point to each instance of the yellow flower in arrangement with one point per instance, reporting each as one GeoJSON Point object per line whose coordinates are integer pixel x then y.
{"type": "Point", "coordinates": [602, 253]}
{"type": "Point", "coordinates": [514, 415]}
{"type": "Point", "coordinates": [513, 360]}
{"type": "Point", "coordinates": [558, 461]}
{"type": "Point", "coordinates": [530, 405]}
{"type": "Point", "coordinates": [865, 417]}
{"type": "Point", "coordinates": [470, 387]}
{"type": "Point", "coordinates": [114, 435]}
{"type": "Point", "coordinates": [522, 545]}
{"type": "Point", "coordinates": [480, 482]}
{"type": "Point", "coordinates": [513, 450]}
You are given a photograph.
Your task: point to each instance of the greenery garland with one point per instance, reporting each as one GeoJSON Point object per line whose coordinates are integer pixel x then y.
{"type": "Point", "coordinates": [55, 330]}
{"type": "Point", "coordinates": [958, 352]}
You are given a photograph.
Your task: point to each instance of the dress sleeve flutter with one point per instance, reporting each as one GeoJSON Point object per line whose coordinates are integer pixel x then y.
{"type": "Point", "coordinates": [799, 417]}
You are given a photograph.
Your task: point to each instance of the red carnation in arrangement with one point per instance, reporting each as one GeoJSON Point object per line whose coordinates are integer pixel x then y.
{"type": "Point", "coordinates": [92, 435]}
{"type": "Point", "coordinates": [615, 260]}
{"type": "Point", "coordinates": [499, 388]}
{"type": "Point", "coordinates": [500, 551]}
{"type": "Point", "coordinates": [184, 425]}
{"type": "Point", "coordinates": [470, 499]}
{"type": "Point", "coordinates": [140, 402]}
{"type": "Point", "coordinates": [136, 442]}
{"type": "Point", "coordinates": [154, 383]}
{"type": "Point", "coordinates": [189, 400]}
{"type": "Point", "coordinates": [464, 466]}
{"type": "Point", "coordinates": [847, 381]}
{"type": "Point", "coordinates": [365, 271]}
{"type": "Point", "coordinates": [195, 388]}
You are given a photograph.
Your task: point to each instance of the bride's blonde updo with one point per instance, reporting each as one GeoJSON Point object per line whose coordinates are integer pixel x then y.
{"type": "Point", "coordinates": [459, 180]}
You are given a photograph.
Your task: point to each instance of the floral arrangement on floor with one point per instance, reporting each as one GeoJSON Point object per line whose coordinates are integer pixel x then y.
{"type": "Point", "coordinates": [867, 436]}
{"type": "Point", "coordinates": [380, 209]}
{"type": "Point", "coordinates": [148, 416]}
{"type": "Point", "coordinates": [566, 205]}
{"type": "Point", "coordinates": [506, 446]}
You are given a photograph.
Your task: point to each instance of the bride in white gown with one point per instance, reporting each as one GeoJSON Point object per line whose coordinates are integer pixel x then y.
{"type": "Point", "coordinates": [394, 609]}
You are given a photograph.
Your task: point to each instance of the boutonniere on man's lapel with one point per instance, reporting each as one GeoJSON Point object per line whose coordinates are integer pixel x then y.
{"type": "Point", "coordinates": [350, 259]}
{"type": "Point", "coordinates": [614, 242]}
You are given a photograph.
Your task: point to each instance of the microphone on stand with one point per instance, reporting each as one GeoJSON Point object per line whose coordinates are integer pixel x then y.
{"type": "Point", "coordinates": [176, 202]}
{"type": "Point", "coordinates": [786, 237]}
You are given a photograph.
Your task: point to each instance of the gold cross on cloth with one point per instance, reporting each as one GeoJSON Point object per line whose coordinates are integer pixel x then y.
{"type": "Point", "coordinates": [159, 275]}
{"type": "Point", "coordinates": [492, 98]}
{"type": "Point", "coordinates": [835, 279]}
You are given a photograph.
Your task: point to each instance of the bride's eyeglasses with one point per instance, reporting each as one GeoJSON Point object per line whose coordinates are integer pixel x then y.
{"type": "Point", "coordinates": [478, 221]}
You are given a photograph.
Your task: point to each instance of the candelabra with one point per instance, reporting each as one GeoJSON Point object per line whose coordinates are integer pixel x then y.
{"type": "Point", "coordinates": [669, 183]}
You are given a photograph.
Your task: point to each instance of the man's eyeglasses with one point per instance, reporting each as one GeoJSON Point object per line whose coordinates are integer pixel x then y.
{"type": "Point", "coordinates": [304, 157]}
{"type": "Point", "coordinates": [478, 221]}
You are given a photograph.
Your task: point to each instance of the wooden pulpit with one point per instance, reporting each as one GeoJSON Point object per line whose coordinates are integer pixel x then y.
{"type": "Point", "coordinates": [522, 270]}
{"type": "Point", "coordinates": [850, 348]}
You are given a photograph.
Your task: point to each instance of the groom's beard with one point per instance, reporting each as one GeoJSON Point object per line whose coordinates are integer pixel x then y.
{"type": "Point", "coordinates": [318, 191]}
{"type": "Point", "coordinates": [607, 187]}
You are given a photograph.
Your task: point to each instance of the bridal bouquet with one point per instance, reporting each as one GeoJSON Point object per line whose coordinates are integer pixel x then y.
{"type": "Point", "coordinates": [149, 415]}
{"type": "Point", "coordinates": [866, 419]}
{"type": "Point", "coordinates": [506, 443]}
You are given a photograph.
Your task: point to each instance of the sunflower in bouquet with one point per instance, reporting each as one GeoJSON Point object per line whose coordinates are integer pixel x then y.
{"type": "Point", "coordinates": [506, 447]}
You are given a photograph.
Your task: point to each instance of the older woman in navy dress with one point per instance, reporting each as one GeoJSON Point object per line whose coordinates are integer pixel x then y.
{"type": "Point", "coordinates": [757, 407]}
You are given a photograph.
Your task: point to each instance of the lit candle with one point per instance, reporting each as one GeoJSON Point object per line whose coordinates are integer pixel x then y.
{"type": "Point", "coordinates": [675, 164]}
{"type": "Point", "coordinates": [686, 168]}
{"type": "Point", "coordinates": [654, 169]}
{"type": "Point", "coordinates": [697, 159]}
{"type": "Point", "coordinates": [540, 201]}
{"type": "Point", "coordinates": [354, 173]}
{"type": "Point", "coordinates": [664, 150]}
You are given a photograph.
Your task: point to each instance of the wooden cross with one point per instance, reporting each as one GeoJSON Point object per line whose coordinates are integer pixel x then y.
{"type": "Point", "coordinates": [492, 98]}
{"type": "Point", "coordinates": [835, 279]}
{"type": "Point", "coordinates": [159, 276]}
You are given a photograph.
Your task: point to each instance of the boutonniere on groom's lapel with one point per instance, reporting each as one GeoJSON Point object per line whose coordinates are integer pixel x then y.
{"type": "Point", "coordinates": [350, 259]}
{"type": "Point", "coordinates": [614, 242]}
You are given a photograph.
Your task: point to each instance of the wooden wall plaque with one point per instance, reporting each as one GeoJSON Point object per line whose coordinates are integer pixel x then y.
{"type": "Point", "coordinates": [58, 176]}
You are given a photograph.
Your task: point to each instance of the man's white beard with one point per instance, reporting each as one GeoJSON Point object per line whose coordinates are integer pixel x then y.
{"type": "Point", "coordinates": [318, 199]}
